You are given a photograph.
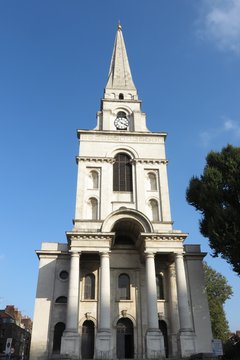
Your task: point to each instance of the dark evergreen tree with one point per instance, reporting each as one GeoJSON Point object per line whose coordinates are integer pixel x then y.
{"type": "Point", "coordinates": [216, 195]}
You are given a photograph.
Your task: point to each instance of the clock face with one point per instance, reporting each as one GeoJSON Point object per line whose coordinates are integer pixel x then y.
{"type": "Point", "coordinates": [121, 123]}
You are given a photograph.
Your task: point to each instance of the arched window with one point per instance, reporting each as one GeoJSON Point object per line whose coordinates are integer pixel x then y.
{"type": "Point", "coordinates": [152, 181]}
{"type": "Point", "coordinates": [93, 179]}
{"type": "Point", "coordinates": [160, 287]}
{"type": "Point", "coordinates": [57, 337]}
{"type": "Point", "coordinates": [122, 173]}
{"type": "Point", "coordinates": [89, 288]}
{"type": "Point", "coordinates": [61, 300]}
{"type": "Point", "coordinates": [124, 287]}
{"type": "Point", "coordinates": [153, 206]}
{"type": "Point", "coordinates": [93, 208]}
{"type": "Point", "coordinates": [121, 96]}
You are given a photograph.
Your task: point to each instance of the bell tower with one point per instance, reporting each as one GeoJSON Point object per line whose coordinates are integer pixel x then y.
{"type": "Point", "coordinates": [121, 164]}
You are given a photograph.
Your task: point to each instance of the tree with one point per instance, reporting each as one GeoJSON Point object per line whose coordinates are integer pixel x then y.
{"type": "Point", "coordinates": [216, 195]}
{"type": "Point", "coordinates": [218, 291]}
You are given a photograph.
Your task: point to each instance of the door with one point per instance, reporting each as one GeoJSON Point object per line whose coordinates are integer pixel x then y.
{"type": "Point", "coordinates": [163, 328]}
{"type": "Point", "coordinates": [125, 343]}
{"type": "Point", "coordinates": [87, 340]}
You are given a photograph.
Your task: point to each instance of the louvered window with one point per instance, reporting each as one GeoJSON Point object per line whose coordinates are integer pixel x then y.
{"type": "Point", "coordinates": [89, 289]}
{"type": "Point", "coordinates": [124, 287]}
{"type": "Point", "coordinates": [160, 288]}
{"type": "Point", "coordinates": [122, 173]}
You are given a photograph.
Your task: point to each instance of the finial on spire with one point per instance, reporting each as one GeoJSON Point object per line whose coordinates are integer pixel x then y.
{"type": "Point", "coordinates": [119, 25]}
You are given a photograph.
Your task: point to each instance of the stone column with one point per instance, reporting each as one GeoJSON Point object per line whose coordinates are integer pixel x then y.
{"type": "Point", "coordinates": [103, 337]}
{"type": "Point", "coordinates": [104, 318]}
{"type": "Point", "coordinates": [71, 340]}
{"type": "Point", "coordinates": [154, 338]}
{"type": "Point", "coordinates": [151, 292]}
{"type": "Point", "coordinates": [73, 293]}
{"type": "Point", "coordinates": [186, 335]}
{"type": "Point", "coordinates": [183, 307]}
{"type": "Point", "coordinates": [173, 308]}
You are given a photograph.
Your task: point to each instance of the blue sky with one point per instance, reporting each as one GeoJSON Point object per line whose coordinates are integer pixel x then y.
{"type": "Point", "coordinates": [55, 55]}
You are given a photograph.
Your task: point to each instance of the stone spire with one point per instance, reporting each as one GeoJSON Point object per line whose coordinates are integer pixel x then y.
{"type": "Point", "coordinates": [119, 77]}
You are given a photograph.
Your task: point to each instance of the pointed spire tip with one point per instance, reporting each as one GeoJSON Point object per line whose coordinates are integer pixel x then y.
{"type": "Point", "coordinates": [119, 25]}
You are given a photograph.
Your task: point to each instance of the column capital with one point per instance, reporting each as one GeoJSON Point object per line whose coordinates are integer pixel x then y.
{"type": "Point", "coordinates": [178, 255]}
{"type": "Point", "coordinates": [75, 253]}
{"type": "Point", "coordinates": [104, 253]}
{"type": "Point", "coordinates": [149, 254]}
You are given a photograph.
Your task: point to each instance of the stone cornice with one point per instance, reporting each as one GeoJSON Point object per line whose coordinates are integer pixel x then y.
{"type": "Point", "coordinates": [120, 101]}
{"type": "Point", "coordinates": [150, 161]}
{"type": "Point", "coordinates": [112, 160]}
{"type": "Point", "coordinates": [95, 159]}
{"type": "Point", "coordinates": [51, 253]}
{"type": "Point", "coordinates": [89, 236]}
{"type": "Point", "coordinates": [195, 256]}
{"type": "Point", "coordinates": [164, 237]}
{"type": "Point", "coordinates": [143, 134]}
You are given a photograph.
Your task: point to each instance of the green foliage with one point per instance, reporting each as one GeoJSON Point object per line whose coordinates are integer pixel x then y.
{"type": "Point", "coordinates": [216, 195]}
{"type": "Point", "coordinates": [218, 291]}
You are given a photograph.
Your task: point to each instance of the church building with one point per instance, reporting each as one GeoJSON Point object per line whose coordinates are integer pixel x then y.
{"type": "Point", "coordinates": [124, 285]}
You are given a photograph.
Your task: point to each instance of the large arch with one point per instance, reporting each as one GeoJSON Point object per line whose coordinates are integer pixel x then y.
{"type": "Point", "coordinates": [130, 215]}
{"type": "Point", "coordinates": [129, 150]}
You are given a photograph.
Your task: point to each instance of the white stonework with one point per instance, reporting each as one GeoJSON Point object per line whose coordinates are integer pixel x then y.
{"type": "Point", "coordinates": [124, 285]}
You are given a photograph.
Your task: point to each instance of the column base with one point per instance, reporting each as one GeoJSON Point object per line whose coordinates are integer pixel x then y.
{"type": "Point", "coordinates": [154, 344]}
{"type": "Point", "coordinates": [70, 345]}
{"type": "Point", "coordinates": [103, 344]}
{"type": "Point", "coordinates": [186, 343]}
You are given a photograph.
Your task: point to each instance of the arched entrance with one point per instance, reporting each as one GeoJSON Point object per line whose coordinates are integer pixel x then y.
{"type": "Point", "coordinates": [57, 337]}
{"type": "Point", "coordinates": [163, 327]}
{"type": "Point", "coordinates": [87, 340]}
{"type": "Point", "coordinates": [125, 343]}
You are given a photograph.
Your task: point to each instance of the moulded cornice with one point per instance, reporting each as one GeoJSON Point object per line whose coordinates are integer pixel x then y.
{"type": "Point", "coordinates": [95, 159]}
{"type": "Point", "coordinates": [151, 161]}
{"type": "Point", "coordinates": [144, 134]}
{"type": "Point", "coordinates": [164, 237]}
{"type": "Point", "coordinates": [195, 256]}
{"type": "Point", "coordinates": [51, 253]}
{"type": "Point", "coordinates": [112, 160]}
{"type": "Point", "coordinates": [91, 236]}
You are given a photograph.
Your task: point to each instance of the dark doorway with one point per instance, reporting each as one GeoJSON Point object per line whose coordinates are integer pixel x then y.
{"type": "Point", "coordinates": [57, 337]}
{"type": "Point", "coordinates": [163, 327]}
{"type": "Point", "coordinates": [88, 340]}
{"type": "Point", "coordinates": [125, 344]}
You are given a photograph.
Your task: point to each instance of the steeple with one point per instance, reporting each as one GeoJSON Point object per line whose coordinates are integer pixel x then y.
{"type": "Point", "coordinates": [120, 77]}
{"type": "Point", "coordinates": [120, 107]}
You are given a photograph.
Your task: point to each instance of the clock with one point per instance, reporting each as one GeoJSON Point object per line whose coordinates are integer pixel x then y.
{"type": "Point", "coordinates": [121, 123]}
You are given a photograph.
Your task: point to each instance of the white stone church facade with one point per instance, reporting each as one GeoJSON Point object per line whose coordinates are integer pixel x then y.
{"type": "Point", "coordinates": [124, 285]}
